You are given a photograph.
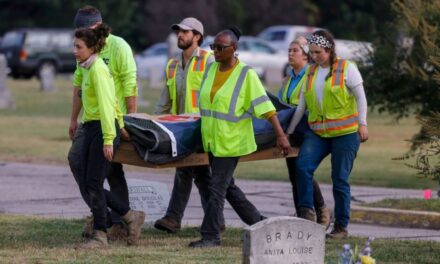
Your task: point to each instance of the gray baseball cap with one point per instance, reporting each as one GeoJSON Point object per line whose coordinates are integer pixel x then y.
{"type": "Point", "coordinates": [189, 23]}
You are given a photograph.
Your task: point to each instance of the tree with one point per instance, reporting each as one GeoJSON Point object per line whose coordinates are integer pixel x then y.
{"type": "Point", "coordinates": [406, 77]}
{"type": "Point", "coordinates": [403, 79]}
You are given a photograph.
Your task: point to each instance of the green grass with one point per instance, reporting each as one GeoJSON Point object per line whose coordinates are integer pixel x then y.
{"type": "Point", "coordinates": [36, 131]}
{"type": "Point", "coordinates": [40, 240]}
{"type": "Point", "coordinates": [432, 205]}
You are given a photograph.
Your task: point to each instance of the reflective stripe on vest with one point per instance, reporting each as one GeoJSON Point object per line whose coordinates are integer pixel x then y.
{"type": "Point", "coordinates": [310, 76]}
{"type": "Point", "coordinates": [335, 124]}
{"type": "Point", "coordinates": [172, 68]}
{"type": "Point", "coordinates": [195, 70]}
{"type": "Point", "coordinates": [330, 121]}
{"type": "Point", "coordinates": [230, 115]}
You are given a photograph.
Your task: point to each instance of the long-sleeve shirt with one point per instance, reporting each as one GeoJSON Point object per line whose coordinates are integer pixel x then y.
{"type": "Point", "coordinates": [99, 100]}
{"type": "Point", "coordinates": [118, 56]}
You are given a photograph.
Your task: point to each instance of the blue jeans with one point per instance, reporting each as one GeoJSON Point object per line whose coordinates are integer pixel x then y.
{"type": "Point", "coordinates": [343, 150]}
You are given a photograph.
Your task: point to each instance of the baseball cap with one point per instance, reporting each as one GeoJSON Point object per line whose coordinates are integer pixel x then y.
{"type": "Point", "coordinates": [189, 23]}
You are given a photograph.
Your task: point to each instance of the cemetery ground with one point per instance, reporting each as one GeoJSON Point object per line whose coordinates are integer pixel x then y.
{"type": "Point", "coordinates": [36, 132]}
{"type": "Point", "coordinates": [41, 240]}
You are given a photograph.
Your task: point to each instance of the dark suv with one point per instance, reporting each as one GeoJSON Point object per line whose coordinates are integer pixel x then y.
{"type": "Point", "coordinates": [30, 50]}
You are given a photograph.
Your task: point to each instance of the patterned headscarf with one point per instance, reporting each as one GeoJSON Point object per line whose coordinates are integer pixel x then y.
{"type": "Point", "coordinates": [320, 41]}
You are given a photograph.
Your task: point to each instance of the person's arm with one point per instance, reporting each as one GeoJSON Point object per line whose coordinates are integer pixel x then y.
{"type": "Point", "coordinates": [104, 87]}
{"type": "Point", "coordinates": [361, 100]}
{"type": "Point", "coordinates": [76, 109]}
{"type": "Point", "coordinates": [355, 83]}
{"type": "Point", "coordinates": [299, 113]}
{"type": "Point", "coordinates": [282, 141]}
{"type": "Point", "coordinates": [164, 105]}
{"type": "Point", "coordinates": [126, 66]}
{"type": "Point", "coordinates": [131, 102]}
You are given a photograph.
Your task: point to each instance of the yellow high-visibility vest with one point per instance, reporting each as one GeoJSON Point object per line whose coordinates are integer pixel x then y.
{"type": "Point", "coordinates": [227, 129]}
{"type": "Point", "coordinates": [197, 66]}
{"type": "Point", "coordinates": [338, 115]}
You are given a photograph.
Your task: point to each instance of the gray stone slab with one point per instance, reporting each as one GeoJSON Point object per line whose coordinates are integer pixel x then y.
{"type": "Point", "coordinates": [284, 239]}
{"type": "Point", "coordinates": [152, 197]}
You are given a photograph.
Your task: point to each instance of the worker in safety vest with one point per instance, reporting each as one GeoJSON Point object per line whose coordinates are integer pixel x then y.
{"type": "Point", "coordinates": [289, 93]}
{"type": "Point", "coordinates": [334, 95]}
{"type": "Point", "coordinates": [183, 78]}
{"type": "Point", "coordinates": [231, 93]}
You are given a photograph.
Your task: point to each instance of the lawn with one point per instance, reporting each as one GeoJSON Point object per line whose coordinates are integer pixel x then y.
{"type": "Point", "coordinates": [432, 205]}
{"type": "Point", "coordinates": [36, 131]}
{"type": "Point", "coordinates": [40, 240]}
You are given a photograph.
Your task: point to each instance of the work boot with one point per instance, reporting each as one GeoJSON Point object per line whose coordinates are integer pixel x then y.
{"type": "Point", "coordinates": [88, 227]}
{"type": "Point", "coordinates": [338, 232]}
{"type": "Point", "coordinates": [323, 216]}
{"type": "Point", "coordinates": [307, 213]}
{"type": "Point", "coordinates": [118, 232]}
{"type": "Point", "coordinates": [134, 220]}
{"type": "Point", "coordinates": [168, 224]}
{"type": "Point", "coordinates": [205, 243]}
{"type": "Point", "coordinates": [98, 240]}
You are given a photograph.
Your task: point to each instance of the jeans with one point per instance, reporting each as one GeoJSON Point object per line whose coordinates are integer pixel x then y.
{"type": "Point", "coordinates": [343, 150]}
{"type": "Point", "coordinates": [318, 199]}
{"type": "Point", "coordinates": [182, 189]}
{"type": "Point", "coordinates": [221, 187]}
{"type": "Point", "coordinates": [115, 176]}
{"type": "Point", "coordinates": [95, 168]}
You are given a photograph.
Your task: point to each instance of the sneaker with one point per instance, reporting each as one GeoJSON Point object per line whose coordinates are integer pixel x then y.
{"type": "Point", "coordinates": [323, 216]}
{"type": "Point", "coordinates": [118, 232]}
{"type": "Point", "coordinates": [98, 240]}
{"type": "Point", "coordinates": [338, 232]}
{"type": "Point", "coordinates": [307, 213]}
{"type": "Point", "coordinates": [88, 227]}
{"type": "Point", "coordinates": [167, 224]}
{"type": "Point", "coordinates": [205, 243]}
{"type": "Point", "coordinates": [134, 220]}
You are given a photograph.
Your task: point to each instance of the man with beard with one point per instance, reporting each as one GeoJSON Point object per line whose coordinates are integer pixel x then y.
{"type": "Point", "coordinates": [184, 75]}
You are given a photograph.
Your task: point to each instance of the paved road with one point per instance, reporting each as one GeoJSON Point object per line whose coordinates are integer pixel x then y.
{"type": "Point", "coordinates": [48, 190]}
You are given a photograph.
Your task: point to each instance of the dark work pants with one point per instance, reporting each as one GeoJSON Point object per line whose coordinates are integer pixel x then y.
{"type": "Point", "coordinates": [222, 186]}
{"type": "Point", "coordinates": [318, 199]}
{"type": "Point", "coordinates": [182, 189]}
{"type": "Point", "coordinates": [115, 176]}
{"type": "Point", "coordinates": [94, 171]}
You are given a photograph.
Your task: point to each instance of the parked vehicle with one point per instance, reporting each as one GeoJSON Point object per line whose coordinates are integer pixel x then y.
{"type": "Point", "coordinates": [258, 54]}
{"type": "Point", "coordinates": [281, 36]}
{"type": "Point", "coordinates": [154, 57]}
{"type": "Point", "coordinates": [29, 51]}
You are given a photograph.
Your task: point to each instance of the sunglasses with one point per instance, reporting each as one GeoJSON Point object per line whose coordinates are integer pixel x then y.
{"type": "Point", "coordinates": [219, 47]}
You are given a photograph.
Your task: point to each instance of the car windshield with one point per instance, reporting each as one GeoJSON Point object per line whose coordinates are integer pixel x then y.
{"type": "Point", "coordinates": [156, 49]}
{"type": "Point", "coordinates": [12, 39]}
{"type": "Point", "coordinates": [255, 46]}
{"type": "Point", "coordinates": [37, 39]}
{"type": "Point", "coordinates": [278, 35]}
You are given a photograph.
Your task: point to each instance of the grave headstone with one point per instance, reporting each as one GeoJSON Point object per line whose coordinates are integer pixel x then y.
{"type": "Point", "coordinates": [6, 100]}
{"type": "Point", "coordinates": [151, 197]}
{"type": "Point", "coordinates": [282, 240]}
{"type": "Point", "coordinates": [47, 78]}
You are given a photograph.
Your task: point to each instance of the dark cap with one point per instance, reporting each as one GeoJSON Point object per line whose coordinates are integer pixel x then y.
{"type": "Point", "coordinates": [87, 17]}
